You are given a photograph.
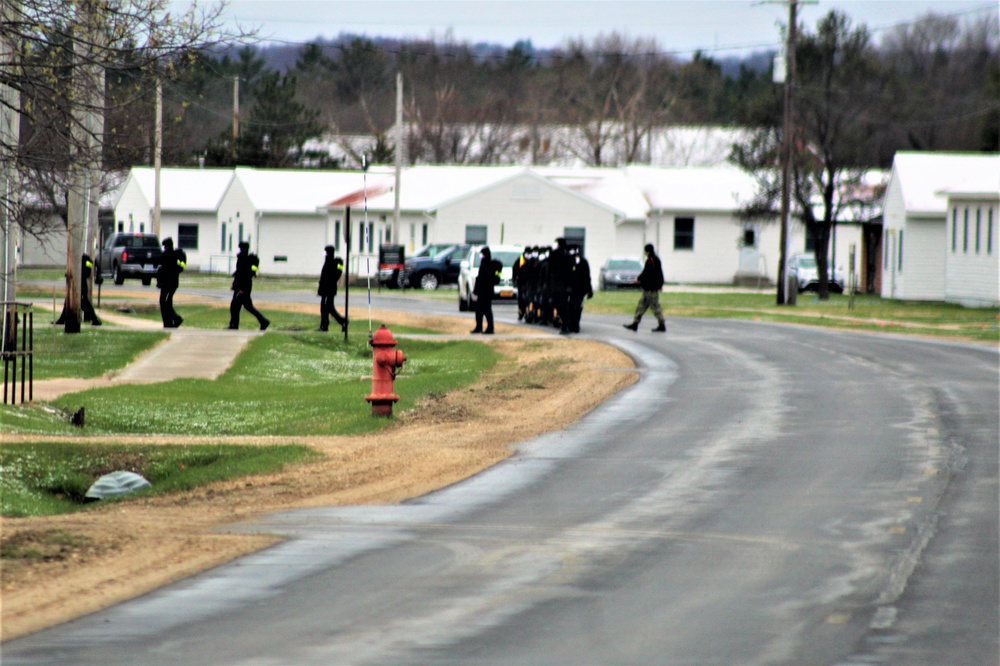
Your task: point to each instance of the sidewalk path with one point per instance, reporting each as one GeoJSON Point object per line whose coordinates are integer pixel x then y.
{"type": "Point", "coordinates": [187, 353]}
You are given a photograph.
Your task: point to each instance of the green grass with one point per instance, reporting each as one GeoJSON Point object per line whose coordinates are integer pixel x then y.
{"type": "Point", "coordinates": [217, 317]}
{"type": "Point", "coordinates": [90, 353]}
{"type": "Point", "coordinates": [941, 320]}
{"type": "Point", "coordinates": [303, 384]}
{"type": "Point", "coordinates": [43, 479]}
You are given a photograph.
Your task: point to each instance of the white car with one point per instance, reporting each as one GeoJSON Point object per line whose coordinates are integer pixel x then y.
{"type": "Point", "coordinates": [505, 254]}
{"type": "Point", "coordinates": [803, 267]}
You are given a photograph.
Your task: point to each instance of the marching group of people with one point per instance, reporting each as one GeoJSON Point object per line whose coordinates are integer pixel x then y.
{"type": "Point", "coordinates": [552, 284]}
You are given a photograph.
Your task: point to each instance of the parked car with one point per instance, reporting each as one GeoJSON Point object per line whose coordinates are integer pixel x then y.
{"type": "Point", "coordinates": [619, 273]}
{"type": "Point", "coordinates": [433, 269]}
{"type": "Point", "coordinates": [130, 255]}
{"type": "Point", "coordinates": [506, 255]}
{"type": "Point", "coordinates": [803, 268]}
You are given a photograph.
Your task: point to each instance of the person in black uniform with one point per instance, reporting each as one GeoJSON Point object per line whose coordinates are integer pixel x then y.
{"type": "Point", "coordinates": [580, 287]}
{"type": "Point", "coordinates": [86, 307]}
{"type": "Point", "coordinates": [487, 277]}
{"type": "Point", "coordinates": [172, 262]}
{"type": "Point", "coordinates": [246, 271]}
{"type": "Point", "coordinates": [651, 282]}
{"type": "Point", "coordinates": [560, 268]}
{"type": "Point", "coordinates": [329, 277]}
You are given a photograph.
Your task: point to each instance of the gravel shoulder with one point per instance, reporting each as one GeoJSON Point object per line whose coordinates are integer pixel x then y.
{"type": "Point", "coordinates": [544, 383]}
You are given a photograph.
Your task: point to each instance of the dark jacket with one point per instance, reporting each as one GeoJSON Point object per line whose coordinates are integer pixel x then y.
{"type": "Point", "coordinates": [246, 271]}
{"type": "Point", "coordinates": [651, 277]}
{"type": "Point", "coordinates": [487, 277]}
{"type": "Point", "coordinates": [172, 263]}
{"type": "Point", "coordinates": [329, 277]}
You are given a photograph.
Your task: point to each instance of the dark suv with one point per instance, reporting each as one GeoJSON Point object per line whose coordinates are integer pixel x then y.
{"type": "Point", "coordinates": [434, 269]}
{"type": "Point", "coordinates": [130, 255]}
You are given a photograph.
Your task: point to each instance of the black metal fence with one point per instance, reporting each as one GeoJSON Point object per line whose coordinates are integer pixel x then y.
{"type": "Point", "coordinates": [17, 351]}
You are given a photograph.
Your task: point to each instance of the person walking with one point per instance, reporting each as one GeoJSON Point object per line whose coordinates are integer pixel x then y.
{"type": "Point", "coordinates": [86, 307]}
{"type": "Point", "coordinates": [329, 278]}
{"type": "Point", "coordinates": [172, 263]}
{"type": "Point", "coordinates": [651, 282]}
{"type": "Point", "coordinates": [581, 287]}
{"type": "Point", "coordinates": [246, 270]}
{"type": "Point", "coordinates": [487, 278]}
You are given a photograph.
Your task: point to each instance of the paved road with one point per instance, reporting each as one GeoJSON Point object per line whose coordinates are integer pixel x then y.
{"type": "Point", "coordinates": [765, 494]}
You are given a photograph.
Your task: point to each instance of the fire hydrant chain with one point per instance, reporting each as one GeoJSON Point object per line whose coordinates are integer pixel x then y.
{"type": "Point", "coordinates": [385, 361]}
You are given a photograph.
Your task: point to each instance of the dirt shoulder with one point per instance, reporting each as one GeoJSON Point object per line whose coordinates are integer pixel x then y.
{"type": "Point", "coordinates": [108, 554]}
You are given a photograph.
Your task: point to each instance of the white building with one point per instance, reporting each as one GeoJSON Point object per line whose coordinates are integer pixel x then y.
{"type": "Point", "coordinates": [916, 240]}
{"type": "Point", "coordinates": [189, 205]}
{"type": "Point", "coordinates": [972, 258]}
{"type": "Point", "coordinates": [689, 213]}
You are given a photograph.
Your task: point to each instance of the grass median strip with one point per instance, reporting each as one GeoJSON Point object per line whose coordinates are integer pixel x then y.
{"type": "Point", "coordinates": [41, 479]}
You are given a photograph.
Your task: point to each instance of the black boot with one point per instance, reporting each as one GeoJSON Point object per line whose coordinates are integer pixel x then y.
{"type": "Point", "coordinates": [662, 328]}
{"type": "Point", "coordinates": [634, 326]}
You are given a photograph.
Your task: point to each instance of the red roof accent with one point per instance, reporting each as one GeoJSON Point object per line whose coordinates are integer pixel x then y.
{"type": "Point", "coordinates": [357, 197]}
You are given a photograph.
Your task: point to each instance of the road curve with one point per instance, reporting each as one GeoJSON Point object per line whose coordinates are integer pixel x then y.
{"type": "Point", "coordinates": [764, 494]}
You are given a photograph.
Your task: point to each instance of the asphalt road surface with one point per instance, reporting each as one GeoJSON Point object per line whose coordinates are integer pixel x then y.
{"type": "Point", "coordinates": [763, 495]}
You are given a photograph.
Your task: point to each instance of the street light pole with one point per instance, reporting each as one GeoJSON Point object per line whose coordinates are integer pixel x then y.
{"type": "Point", "coordinates": [787, 147]}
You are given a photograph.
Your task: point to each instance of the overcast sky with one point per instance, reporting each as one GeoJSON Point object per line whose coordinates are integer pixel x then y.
{"type": "Point", "coordinates": [718, 26]}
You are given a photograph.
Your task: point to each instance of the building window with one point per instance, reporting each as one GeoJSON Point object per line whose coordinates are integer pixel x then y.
{"type": "Point", "coordinates": [683, 233]}
{"type": "Point", "coordinates": [576, 236]}
{"type": "Point", "coordinates": [361, 237]}
{"type": "Point", "coordinates": [989, 231]}
{"type": "Point", "coordinates": [965, 232]}
{"type": "Point", "coordinates": [979, 227]}
{"type": "Point", "coordinates": [336, 235]}
{"type": "Point", "coordinates": [222, 239]}
{"type": "Point", "coordinates": [899, 248]}
{"type": "Point", "coordinates": [423, 236]}
{"type": "Point", "coordinates": [954, 230]}
{"type": "Point", "coordinates": [475, 234]}
{"type": "Point", "coordinates": [187, 236]}
{"type": "Point", "coordinates": [239, 235]}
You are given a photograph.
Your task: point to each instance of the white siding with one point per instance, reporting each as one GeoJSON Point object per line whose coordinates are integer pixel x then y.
{"type": "Point", "coordinates": [893, 220]}
{"type": "Point", "coordinates": [972, 275]}
{"type": "Point", "coordinates": [526, 210]}
{"type": "Point", "coordinates": [922, 270]}
{"type": "Point", "coordinates": [208, 239]}
{"type": "Point", "coordinates": [44, 247]}
{"type": "Point", "coordinates": [299, 239]}
{"type": "Point", "coordinates": [133, 210]}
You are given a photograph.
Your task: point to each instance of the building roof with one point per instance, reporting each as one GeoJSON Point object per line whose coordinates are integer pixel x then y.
{"type": "Point", "coordinates": [983, 185]}
{"type": "Point", "coordinates": [301, 190]}
{"type": "Point", "coordinates": [924, 177]}
{"type": "Point", "coordinates": [195, 190]}
{"type": "Point", "coordinates": [712, 188]}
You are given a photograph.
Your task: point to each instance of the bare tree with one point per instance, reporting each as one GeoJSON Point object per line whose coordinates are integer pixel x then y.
{"type": "Point", "coordinates": [56, 65]}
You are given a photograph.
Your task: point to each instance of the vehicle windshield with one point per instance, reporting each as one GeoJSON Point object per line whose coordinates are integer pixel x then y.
{"type": "Point", "coordinates": [806, 261]}
{"type": "Point", "coordinates": [625, 264]}
{"type": "Point", "coordinates": [505, 257]}
{"type": "Point", "coordinates": [443, 252]}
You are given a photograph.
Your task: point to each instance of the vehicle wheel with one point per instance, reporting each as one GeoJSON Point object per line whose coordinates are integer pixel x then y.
{"type": "Point", "coordinates": [147, 281]}
{"type": "Point", "coordinates": [429, 281]}
{"type": "Point", "coordinates": [117, 273]}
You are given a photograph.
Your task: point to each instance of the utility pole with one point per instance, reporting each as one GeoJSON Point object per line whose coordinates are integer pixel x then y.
{"type": "Point", "coordinates": [157, 157]}
{"type": "Point", "coordinates": [10, 104]}
{"type": "Point", "coordinates": [87, 99]}
{"type": "Point", "coordinates": [787, 148]}
{"type": "Point", "coordinates": [399, 156]}
{"type": "Point", "coordinates": [236, 116]}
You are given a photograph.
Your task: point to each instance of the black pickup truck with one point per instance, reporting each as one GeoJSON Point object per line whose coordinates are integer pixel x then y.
{"type": "Point", "coordinates": [130, 255]}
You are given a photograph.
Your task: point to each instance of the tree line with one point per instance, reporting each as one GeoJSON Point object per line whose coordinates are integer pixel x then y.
{"type": "Point", "coordinates": [928, 85]}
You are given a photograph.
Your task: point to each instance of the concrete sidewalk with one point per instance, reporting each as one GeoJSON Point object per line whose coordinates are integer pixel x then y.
{"type": "Point", "coordinates": [187, 353]}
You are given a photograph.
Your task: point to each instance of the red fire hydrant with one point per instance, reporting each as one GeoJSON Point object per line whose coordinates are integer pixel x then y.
{"type": "Point", "coordinates": [385, 361]}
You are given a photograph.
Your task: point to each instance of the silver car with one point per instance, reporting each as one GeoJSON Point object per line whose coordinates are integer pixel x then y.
{"type": "Point", "coordinates": [804, 269]}
{"type": "Point", "coordinates": [506, 255]}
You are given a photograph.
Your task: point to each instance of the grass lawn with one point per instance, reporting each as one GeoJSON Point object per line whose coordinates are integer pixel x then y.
{"type": "Point", "coordinates": [90, 353]}
{"type": "Point", "coordinates": [50, 478]}
{"type": "Point", "coordinates": [941, 320]}
{"type": "Point", "coordinates": [294, 384]}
